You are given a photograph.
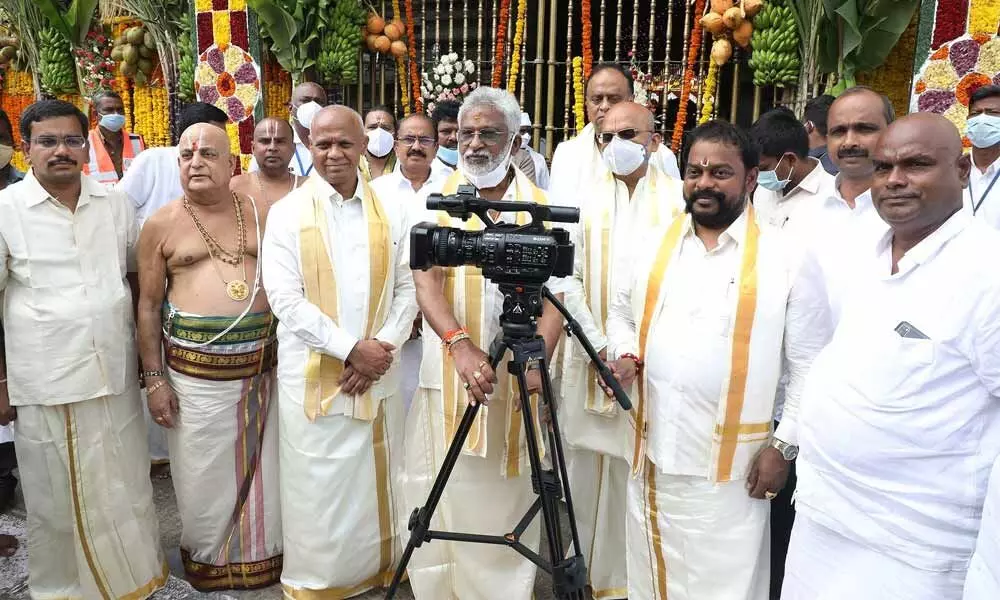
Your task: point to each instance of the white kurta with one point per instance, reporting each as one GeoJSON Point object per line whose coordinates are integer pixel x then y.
{"type": "Point", "coordinates": [983, 580]}
{"type": "Point", "coordinates": [680, 512]}
{"type": "Point", "coordinates": [983, 193]}
{"type": "Point", "coordinates": [898, 434]}
{"type": "Point", "coordinates": [339, 475]}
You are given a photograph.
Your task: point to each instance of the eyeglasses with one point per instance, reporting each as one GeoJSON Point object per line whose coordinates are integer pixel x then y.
{"type": "Point", "coordinates": [410, 140]}
{"type": "Point", "coordinates": [625, 134]}
{"type": "Point", "coordinates": [488, 136]}
{"type": "Point", "coordinates": [73, 142]}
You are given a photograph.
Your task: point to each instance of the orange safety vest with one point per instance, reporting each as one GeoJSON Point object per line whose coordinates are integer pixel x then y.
{"type": "Point", "coordinates": [100, 166]}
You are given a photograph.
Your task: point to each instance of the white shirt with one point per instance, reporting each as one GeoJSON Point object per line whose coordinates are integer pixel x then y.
{"type": "Point", "coordinates": [541, 168]}
{"type": "Point", "coordinates": [395, 188]}
{"type": "Point", "coordinates": [153, 181]}
{"type": "Point", "coordinates": [778, 208]}
{"type": "Point", "coordinates": [898, 434]}
{"type": "Point", "coordinates": [987, 204]}
{"type": "Point", "coordinates": [302, 160]}
{"type": "Point", "coordinates": [687, 368]}
{"type": "Point", "coordinates": [668, 161]}
{"type": "Point", "coordinates": [302, 325]}
{"type": "Point", "coordinates": [983, 579]}
{"type": "Point", "coordinates": [441, 168]}
{"type": "Point", "coordinates": [68, 324]}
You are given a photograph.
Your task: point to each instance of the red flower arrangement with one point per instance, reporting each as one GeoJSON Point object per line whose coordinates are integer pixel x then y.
{"type": "Point", "coordinates": [588, 32]}
{"type": "Point", "coordinates": [501, 38]}
{"type": "Point", "coordinates": [949, 22]}
{"type": "Point", "coordinates": [411, 41]}
{"type": "Point", "coordinates": [693, 50]}
{"type": "Point", "coordinates": [94, 60]}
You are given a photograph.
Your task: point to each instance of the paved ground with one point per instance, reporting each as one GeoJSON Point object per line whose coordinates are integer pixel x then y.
{"type": "Point", "coordinates": [14, 571]}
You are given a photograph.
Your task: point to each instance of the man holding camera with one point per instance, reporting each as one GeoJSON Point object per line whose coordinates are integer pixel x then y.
{"type": "Point", "coordinates": [490, 487]}
{"type": "Point", "coordinates": [336, 273]}
{"type": "Point", "coordinates": [632, 194]}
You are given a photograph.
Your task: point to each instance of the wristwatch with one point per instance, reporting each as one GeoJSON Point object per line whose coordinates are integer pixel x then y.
{"type": "Point", "coordinates": [788, 451]}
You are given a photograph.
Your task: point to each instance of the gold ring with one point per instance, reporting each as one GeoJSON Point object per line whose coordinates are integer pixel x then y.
{"type": "Point", "coordinates": [466, 385]}
{"type": "Point", "coordinates": [770, 495]}
{"type": "Point", "coordinates": [477, 375]}
{"type": "Point", "coordinates": [483, 364]}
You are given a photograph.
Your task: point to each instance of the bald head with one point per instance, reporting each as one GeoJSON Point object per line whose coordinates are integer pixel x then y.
{"type": "Point", "coordinates": [308, 91]}
{"type": "Point", "coordinates": [920, 172]}
{"type": "Point", "coordinates": [628, 112]}
{"type": "Point", "coordinates": [632, 123]}
{"type": "Point", "coordinates": [337, 141]}
{"type": "Point", "coordinates": [205, 160]}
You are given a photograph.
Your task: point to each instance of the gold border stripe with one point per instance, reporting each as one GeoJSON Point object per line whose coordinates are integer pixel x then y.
{"type": "Point", "coordinates": [743, 429]}
{"type": "Point", "coordinates": [381, 450]}
{"type": "Point", "coordinates": [746, 307]}
{"type": "Point", "coordinates": [660, 569]}
{"type": "Point", "coordinates": [339, 593]}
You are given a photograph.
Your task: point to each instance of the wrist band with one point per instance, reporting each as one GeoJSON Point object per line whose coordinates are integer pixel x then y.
{"type": "Point", "coordinates": [155, 386]}
{"type": "Point", "coordinates": [458, 337]}
{"type": "Point", "coordinates": [633, 358]}
{"type": "Point", "coordinates": [450, 337]}
{"type": "Point", "coordinates": [148, 374]}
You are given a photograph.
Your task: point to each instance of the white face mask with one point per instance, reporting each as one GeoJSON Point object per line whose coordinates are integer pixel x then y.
{"type": "Point", "coordinates": [380, 142]}
{"type": "Point", "coordinates": [491, 177]}
{"type": "Point", "coordinates": [525, 140]}
{"type": "Point", "coordinates": [983, 130]}
{"type": "Point", "coordinates": [623, 157]}
{"type": "Point", "coordinates": [305, 112]}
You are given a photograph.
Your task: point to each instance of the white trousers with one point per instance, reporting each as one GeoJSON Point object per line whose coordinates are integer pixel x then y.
{"type": "Point", "coordinates": [824, 565]}
{"type": "Point", "coordinates": [691, 539]}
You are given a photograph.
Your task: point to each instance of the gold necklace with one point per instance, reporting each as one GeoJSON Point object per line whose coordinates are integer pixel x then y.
{"type": "Point", "coordinates": [236, 289]}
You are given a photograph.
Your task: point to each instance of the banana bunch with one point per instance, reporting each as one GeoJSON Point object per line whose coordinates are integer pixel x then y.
{"type": "Point", "coordinates": [775, 43]}
{"type": "Point", "coordinates": [340, 43]}
{"type": "Point", "coordinates": [55, 62]}
{"type": "Point", "coordinates": [185, 61]}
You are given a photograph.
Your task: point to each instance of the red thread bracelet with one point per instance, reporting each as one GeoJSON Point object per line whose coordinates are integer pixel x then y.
{"type": "Point", "coordinates": [633, 358]}
{"type": "Point", "coordinates": [448, 336]}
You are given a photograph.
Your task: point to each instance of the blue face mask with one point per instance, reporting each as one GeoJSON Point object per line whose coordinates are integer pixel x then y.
{"type": "Point", "coordinates": [448, 155]}
{"type": "Point", "coordinates": [113, 122]}
{"type": "Point", "coordinates": [769, 179]}
{"type": "Point", "coordinates": [983, 130]}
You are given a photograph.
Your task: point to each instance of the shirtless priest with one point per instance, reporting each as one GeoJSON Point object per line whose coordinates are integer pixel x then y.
{"type": "Point", "coordinates": [208, 345]}
{"type": "Point", "coordinates": [273, 150]}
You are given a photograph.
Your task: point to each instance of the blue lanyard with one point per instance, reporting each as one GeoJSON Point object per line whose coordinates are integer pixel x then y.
{"type": "Point", "coordinates": [972, 197]}
{"type": "Point", "coordinates": [304, 171]}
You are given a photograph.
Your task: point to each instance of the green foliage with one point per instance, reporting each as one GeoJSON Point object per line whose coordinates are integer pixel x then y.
{"type": "Point", "coordinates": [294, 27]}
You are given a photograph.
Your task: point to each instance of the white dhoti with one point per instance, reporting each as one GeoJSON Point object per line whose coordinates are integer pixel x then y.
{"type": "Point", "coordinates": [340, 498]}
{"type": "Point", "coordinates": [599, 484]}
{"type": "Point", "coordinates": [159, 448]}
{"type": "Point", "coordinates": [92, 530]}
{"type": "Point", "coordinates": [413, 351]}
{"type": "Point", "coordinates": [824, 565]}
{"type": "Point", "coordinates": [476, 500]}
{"type": "Point", "coordinates": [692, 539]}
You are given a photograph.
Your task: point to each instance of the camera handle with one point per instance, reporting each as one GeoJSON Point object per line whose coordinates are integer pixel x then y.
{"type": "Point", "coordinates": [569, 575]}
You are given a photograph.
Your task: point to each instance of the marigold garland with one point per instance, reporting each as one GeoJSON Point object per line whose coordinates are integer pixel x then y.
{"type": "Point", "coordinates": [500, 41]}
{"type": "Point", "coordinates": [694, 49]}
{"type": "Point", "coordinates": [515, 57]}
{"type": "Point", "coordinates": [586, 34]}
{"type": "Point", "coordinates": [578, 112]}
{"type": "Point", "coordinates": [708, 92]}
{"type": "Point", "coordinates": [411, 42]}
{"type": "Point", "coordinates": [18, 94]}
{"type": "Point", "coordinates": [404, 87]}
{"type": "Point", "coordinates": [277, 90]}
{"type": "Point", "coordinates": [151, 114]}
{"type": "Point", "coordinates": [984, 16]}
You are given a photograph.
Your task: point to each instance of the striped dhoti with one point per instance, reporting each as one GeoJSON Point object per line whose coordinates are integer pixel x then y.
{"type": "Point", "coordinates": [223, 449]}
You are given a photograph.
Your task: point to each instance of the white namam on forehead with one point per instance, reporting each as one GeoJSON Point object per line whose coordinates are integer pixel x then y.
{"type": "Point", "coordinates": [195, 137]}
{"type": "Point", "coordinates": [501, 100]}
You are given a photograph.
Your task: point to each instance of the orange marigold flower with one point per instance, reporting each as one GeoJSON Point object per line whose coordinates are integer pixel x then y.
{"type": "Point", "coordinates": [969, 84]}
{"type": "Point", "coordinates": [225, 84]}
{"type": "Point", "coordinates": [920, 87]}
{"type": "Point", "coordinates": [940, 53]}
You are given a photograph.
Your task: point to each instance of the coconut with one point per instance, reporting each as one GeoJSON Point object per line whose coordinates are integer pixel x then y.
{"type": "Point", "coordinates": [742, 33]}
{"type": "Point", "coordinates": [148, 41]}
{"type": "Point", "coordinates": [732, 17]}
{"type": "Point", "coordinates": [146, 52]}
{"type": "Point", "coordinates": [130, 54]}
{"type": "Point", "coordinates": [398, 48]}
{"type": "Point", "coordinates": [140, 78]}
{"type": "Point", "coordinates": [135, 35]}
{"type": "Point", "coordinates": [129, 70]}
{"type": "Point", "coordinates": [370, 41]}
{"type": "Point", "coordinates": [721, 6]}
{"type": "Point", "coordinates": [752, 7]}
{"type": "Point", "coordinates": [392, 32]}
{"type": "Point", "coordinates": [722, 51]}
{"type": "Point", "coordinates": [376, 24]}
{"type": "Point", "coordinates": [712, 22]}
{"type": "Point", "coordinates": [8, 52]}
{"type": "Point", "coordinates": [145, 66]}
{"type": "Point", "coordinates": [383, 44]}
{"type": "Point", "coordinates": [116, 53]}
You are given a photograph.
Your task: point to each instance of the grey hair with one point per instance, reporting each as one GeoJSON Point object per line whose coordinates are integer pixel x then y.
{"type": "Point", "coordinates": [501, 100]}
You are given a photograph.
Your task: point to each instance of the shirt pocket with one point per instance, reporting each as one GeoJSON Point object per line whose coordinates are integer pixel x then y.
{"type": "Point", "coordinates": [892, 368]}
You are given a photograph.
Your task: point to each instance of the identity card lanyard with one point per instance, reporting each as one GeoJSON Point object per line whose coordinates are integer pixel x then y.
{"type": "Point", "coordinates": [972, 197]}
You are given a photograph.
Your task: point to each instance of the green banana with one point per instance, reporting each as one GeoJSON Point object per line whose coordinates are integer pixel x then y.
{"type": "Point", "coordinates": [57, 71]}
{"type": "Point", "coordinates": [775, 42]}
{"type": "Point", "coordinates": [339, 45]}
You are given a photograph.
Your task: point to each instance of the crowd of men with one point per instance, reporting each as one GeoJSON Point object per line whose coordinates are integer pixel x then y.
{"type": "Point", "coordinates": [806, 295]}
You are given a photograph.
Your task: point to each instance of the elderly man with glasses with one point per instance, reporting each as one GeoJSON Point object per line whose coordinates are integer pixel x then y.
{"type": "Point", "coordinates": [490, 486]}
{"type": "Point", "coordinates": [66, 248]}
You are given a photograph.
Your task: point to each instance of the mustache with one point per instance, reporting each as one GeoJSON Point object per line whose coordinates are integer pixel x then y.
{"type": "Point", "coordinates": [61, 160]}
{"type": "Point", "coordinates": [420, 153]}
{"type": "Point", "coordinates": [853, 151]}
{"type": "Point", "coordinates": [709, 194]}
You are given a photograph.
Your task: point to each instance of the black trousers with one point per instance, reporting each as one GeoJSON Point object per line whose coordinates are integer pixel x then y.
{"type": "Point", "coordinates": [782, 519]}
{"type": "Point", "coordinates": [8, 460]}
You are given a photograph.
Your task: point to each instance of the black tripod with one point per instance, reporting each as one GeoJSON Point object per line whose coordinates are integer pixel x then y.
{"type": "Point", "coordinates": [522, 306]}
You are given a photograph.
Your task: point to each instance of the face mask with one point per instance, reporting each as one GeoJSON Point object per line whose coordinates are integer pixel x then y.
{"type": "Point", "coordinates": [525, 139]}
{"type": "Point", "coordinates": [769, 179]}
{"type": "Point", "coordinates": [623, 157]}
{"type": "Point", "coordinates": [983, 131]}
{"type": "Point", "coordinates": [6, 153]}
{"type": "Point", "coordinates": [448, 155]}
{"type": "Point", "coordinates": [380, 142]}
{"type": "Point", "coordinates": [304, 113]}
{"type": "Point", "coordinates": [491, 178]}
{"type": "Point", "coordinates": [113, 122]}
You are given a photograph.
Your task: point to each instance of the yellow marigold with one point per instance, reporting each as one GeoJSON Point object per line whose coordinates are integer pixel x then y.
{"type": "Point", "coordinates": [957, 114]}
{"type": "Point", "coordinates": [220, 28]}
{"type": "Point", "coordinates": [245, 162]}
{"type": "Point", "coordinates": [578, 111]}
{"type": "Point", "coordinates": [984, 15]}
{"type": "Point", "coordinates": [247, 94]}
{"type": "Point", "coordinates": [940, 75]}
{"type": "Point", "coordinates": [19, 161]}
{"type": "Point", "coordinates": [203, 5]}
{"type": "Point", "coordinates": [237, 4]}
{"type": "Point", "coordinates": [515, 56]}
{"type": "Point", "coordinates": [708, 92]}
{"type": "Point", "coordinates": [989, 57]}
{"type": "Point", "coordinates": [234, 138]}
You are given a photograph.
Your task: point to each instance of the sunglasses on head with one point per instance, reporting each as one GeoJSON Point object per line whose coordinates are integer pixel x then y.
{"type": "Point", "coordinates": [625, 134]}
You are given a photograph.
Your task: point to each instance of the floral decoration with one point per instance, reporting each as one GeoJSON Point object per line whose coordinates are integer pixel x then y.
{"type": "Point", "coordinates": [709, 91]}
{"type": "Point", "coordinates": [895, 76]}
{"type": "Point", "coordinates": [18, 94]}
{"type": "Point", "coordinates": [277, 89]}
{"type": "Point", "coordinates": [451, 78]}
{"type": "Point", "coordinates": [498, 44]}
{"type": "Point", "coordinates": [93, 59]}
{"type": "Point", "coordinates": [411, 44]}
{"type": "Point", "coordinates": [228, 77]}
{"type": "Point", "coordinates": [151, 114]}
{"type": "Point", "coordinates": [404, 87]}
{"type": "Point", "coordinates": [949, 22]}
{"type": "Point", "coordinates": [515, 55]}
{"type": "Point", "coordinates": [578, 112]}
{"type": "Point", "coordinates": [694, 48]}
{"type": "Point", "coordinates": [984, 16]}
{"type": "Point", "coordinates": [586, 34]}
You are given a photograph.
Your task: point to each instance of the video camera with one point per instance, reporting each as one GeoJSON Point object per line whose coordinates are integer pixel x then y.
{"type": "Point", "coordinates": [507, 253]}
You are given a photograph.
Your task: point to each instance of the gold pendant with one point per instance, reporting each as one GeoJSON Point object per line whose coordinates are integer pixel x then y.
{"type": "Point", "coordinates": [237, 290]}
